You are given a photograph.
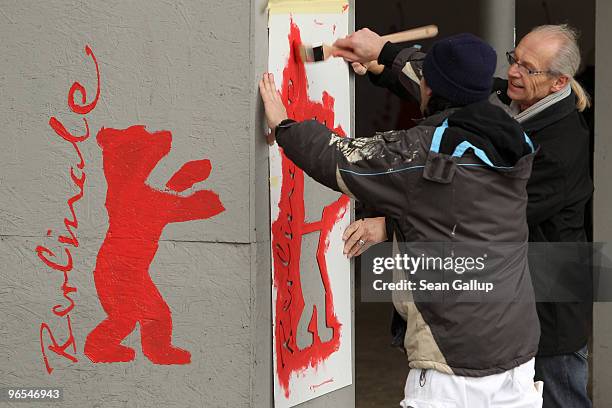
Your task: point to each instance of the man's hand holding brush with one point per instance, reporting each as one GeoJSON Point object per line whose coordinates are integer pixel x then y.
{"type": "Point", "coordinates": [362, 46]}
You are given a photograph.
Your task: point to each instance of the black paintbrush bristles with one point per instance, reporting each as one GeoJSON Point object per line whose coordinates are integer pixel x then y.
{"type": "Point", "coordinates": [310, 53]}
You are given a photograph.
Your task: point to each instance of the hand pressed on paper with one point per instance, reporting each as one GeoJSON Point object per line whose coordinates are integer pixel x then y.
{"type": "Point", "coordinates": [362, 46]}
{"type": "Point", "coordinates": [362, 234]}
{"type": "Point", "coordinates": [273, 103]}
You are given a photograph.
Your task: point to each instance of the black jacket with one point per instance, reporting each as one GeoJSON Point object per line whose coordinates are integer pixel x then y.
{"type": "Point", "coordinates": [559, 189]}
{"type": "Point", "coordinates": [459, 177]}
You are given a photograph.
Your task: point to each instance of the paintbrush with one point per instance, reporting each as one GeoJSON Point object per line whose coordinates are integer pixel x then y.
{"type": "Point", "coordinates": [322, 52]}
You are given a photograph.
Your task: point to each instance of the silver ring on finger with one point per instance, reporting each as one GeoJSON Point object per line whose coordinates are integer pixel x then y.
{"type": "Point", "coordinates": [362, 242]}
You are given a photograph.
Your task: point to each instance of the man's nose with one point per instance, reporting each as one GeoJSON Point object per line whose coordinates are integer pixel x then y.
{"type": "Point", "coordinates": [513, 71]}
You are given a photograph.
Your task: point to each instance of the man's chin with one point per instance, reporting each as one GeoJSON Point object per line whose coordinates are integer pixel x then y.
{"type": "Point", "coordinates": [514, 93]}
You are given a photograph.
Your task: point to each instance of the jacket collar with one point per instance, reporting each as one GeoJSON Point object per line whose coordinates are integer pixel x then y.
{"type": "Point", "coordinates": [437, 118]}
{"type": "Point", "coordinates": [548, 116]}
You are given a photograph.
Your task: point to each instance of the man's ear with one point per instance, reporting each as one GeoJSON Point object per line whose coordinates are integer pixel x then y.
{"type": "Point", "coordinates": [426, 88]}
{"type": "Point", "coordinates": [559, 83]}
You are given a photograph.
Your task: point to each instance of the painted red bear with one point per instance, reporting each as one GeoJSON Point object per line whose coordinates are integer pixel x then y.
{"type": "Point", "coordinates": [137, 215]}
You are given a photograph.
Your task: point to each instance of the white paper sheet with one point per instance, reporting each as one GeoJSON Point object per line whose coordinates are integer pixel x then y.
{"type": "Point", "coordinates": [324, 366]}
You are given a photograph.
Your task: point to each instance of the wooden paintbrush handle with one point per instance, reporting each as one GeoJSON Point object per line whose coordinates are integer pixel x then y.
{"type": "Point", "coordinates": [418, 33]}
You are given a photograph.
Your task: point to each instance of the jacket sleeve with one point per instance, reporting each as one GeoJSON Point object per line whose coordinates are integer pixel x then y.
{"type": "Point", "coordinates": [402, 72]}
{"type": "Point", "coordinates": [361, 168]}
{"type": "Point", "coordinates": [545, 189]}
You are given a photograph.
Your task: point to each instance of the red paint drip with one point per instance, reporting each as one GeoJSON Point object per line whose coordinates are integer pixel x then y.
{"type": "Point", "coordinates": [314, 387]}
{"type": "Point", "coordinates": [137, 215]}
{"type": "Point", "coordinates": [289, 229]}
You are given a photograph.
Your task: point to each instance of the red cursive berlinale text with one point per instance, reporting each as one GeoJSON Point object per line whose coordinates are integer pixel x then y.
{"type": "Point", "coordinates": [63, 263]}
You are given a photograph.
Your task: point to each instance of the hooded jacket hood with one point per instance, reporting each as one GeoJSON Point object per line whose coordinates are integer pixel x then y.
{"type": "Point", "coordinates": [486, 127]}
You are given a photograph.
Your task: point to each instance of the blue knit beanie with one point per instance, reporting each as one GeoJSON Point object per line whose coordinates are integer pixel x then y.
{"type": "Point", "coordinates": [460, 68]}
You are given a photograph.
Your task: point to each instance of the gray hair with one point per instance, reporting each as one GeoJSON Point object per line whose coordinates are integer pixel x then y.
{"type": "Point", "coordinates": [567, 60]}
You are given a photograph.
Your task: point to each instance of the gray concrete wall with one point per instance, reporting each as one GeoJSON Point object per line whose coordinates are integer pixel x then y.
{"type": "Point", "coordinates": [189, 67]}
{"type": "Point", "coordinates": [169, 66]}
{"type": "Point", "coordinates": [602, 330]}
{"type": "Point", "coordinates": [262, 381]}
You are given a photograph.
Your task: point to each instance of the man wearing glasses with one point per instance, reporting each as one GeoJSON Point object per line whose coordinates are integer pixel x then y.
{"type": "Point", "coordinates": [543, 96]}
{"type": "Point", "coordinates": [546, 99]}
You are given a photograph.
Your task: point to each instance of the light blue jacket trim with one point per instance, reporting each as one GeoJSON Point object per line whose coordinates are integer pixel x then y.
{"type": "Point", "coordinates": [437, 137]}
{"type": "Point", "coordinates": [435, 147]}
{"type": "Point", "coordinates": [381, 173]}
{"type": "Point", "coordinates": [464, 146]}
{"type": "Point", "coordinates": [528, 140]}
{"type": "Point", "coordinates": [391, 171]}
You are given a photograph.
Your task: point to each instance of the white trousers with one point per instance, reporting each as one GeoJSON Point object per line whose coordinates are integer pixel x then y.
{"type": "Point", "coordinates": [511, 389]}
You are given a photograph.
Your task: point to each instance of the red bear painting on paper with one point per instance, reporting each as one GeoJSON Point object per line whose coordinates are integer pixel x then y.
{"type": "Point", "coordinates": [294, 306]}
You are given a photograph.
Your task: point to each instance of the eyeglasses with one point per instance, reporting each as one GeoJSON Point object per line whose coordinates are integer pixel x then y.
{"type": "Point", "coordinates": [522, 68]}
